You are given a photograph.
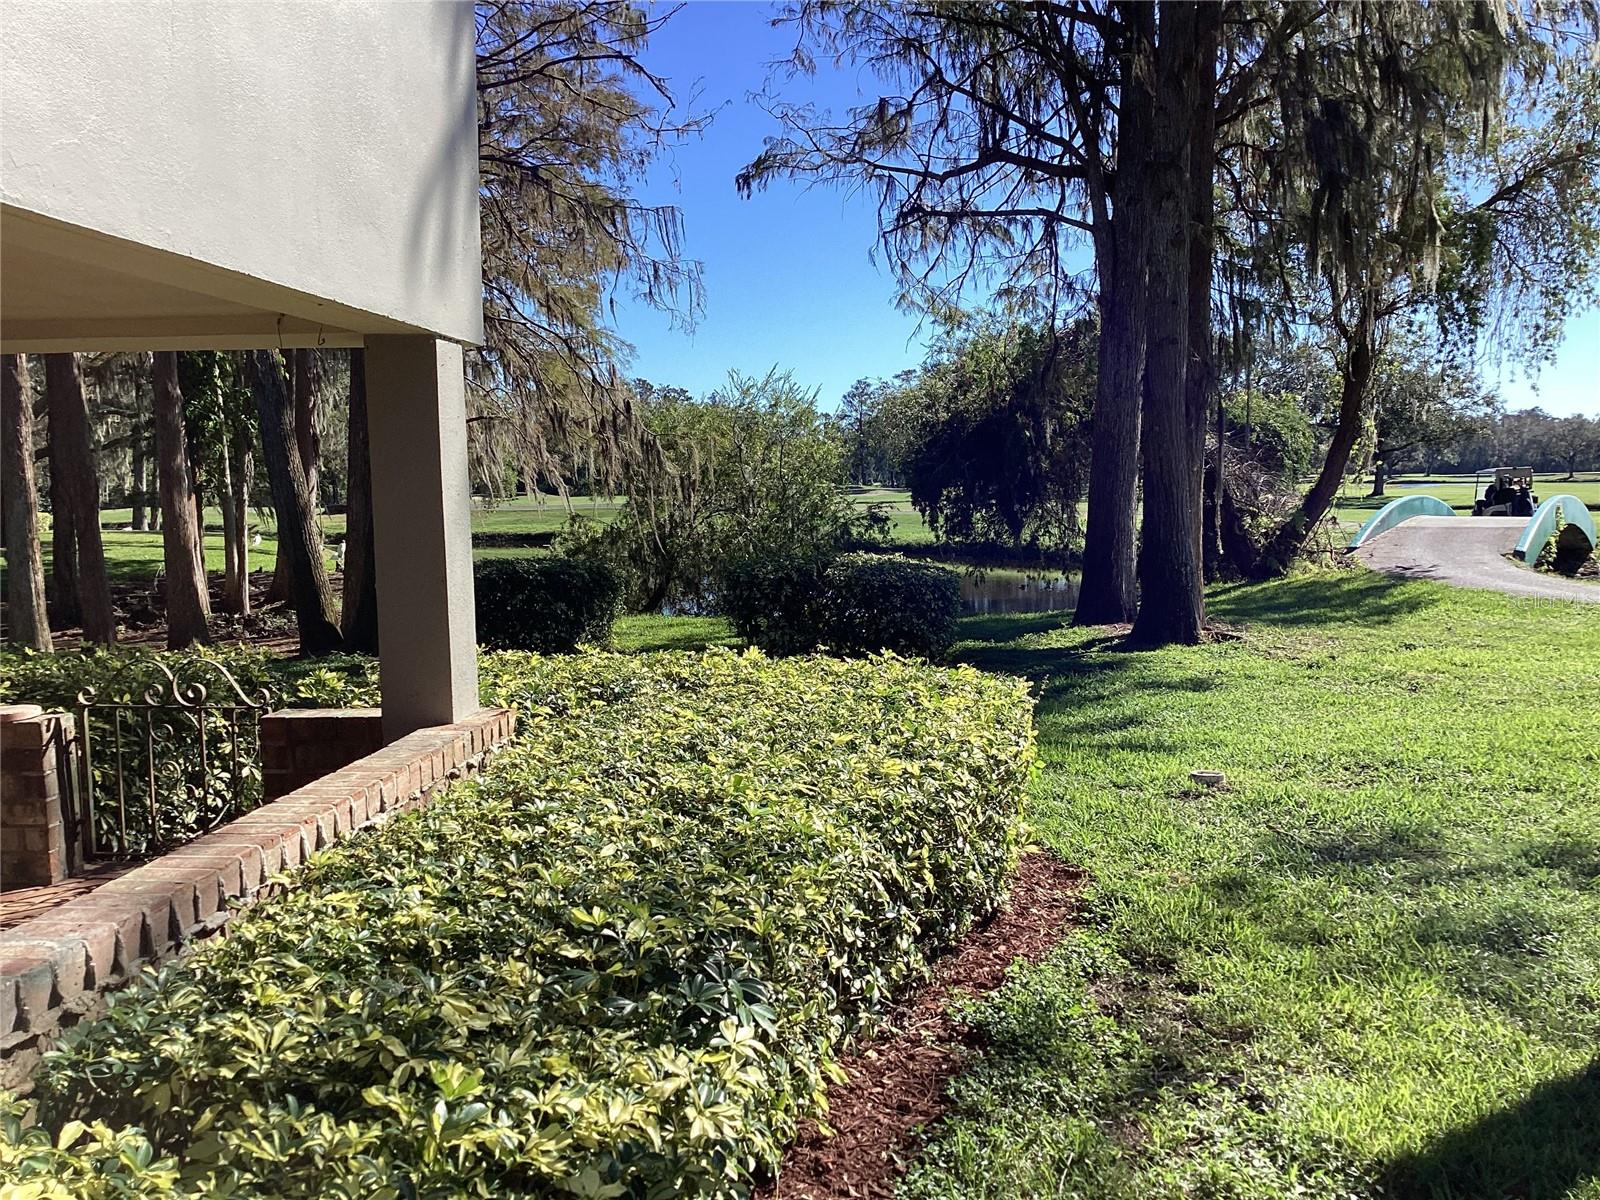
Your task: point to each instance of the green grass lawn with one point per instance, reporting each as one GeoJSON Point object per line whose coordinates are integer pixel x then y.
{"type": "Point", "coordinates": [133, 558]}
{"type": "Point", "coordinates": [646, 631]}
{"type": "Point", "coordinates": [1370, 966]}
{"type": "Point", "coordinates": [906, 527]}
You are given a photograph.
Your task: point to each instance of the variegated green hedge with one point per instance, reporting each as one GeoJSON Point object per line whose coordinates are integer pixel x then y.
{"type": "Point", "coordinates": [618, 964]}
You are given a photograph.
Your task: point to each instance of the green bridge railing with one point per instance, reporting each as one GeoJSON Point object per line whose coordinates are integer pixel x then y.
{"type": "Point", "coordinates": [1396, 511]}
{"type": "Point", "coordinates": [1543, 523]}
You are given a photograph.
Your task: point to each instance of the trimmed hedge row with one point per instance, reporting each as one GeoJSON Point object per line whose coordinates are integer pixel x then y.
{"type": "Point", "coordinates": [548, 603]}
{"type": "Point", "coordinates": [617, 964]}
{"type": "Point", "coordinates": [849, 604]}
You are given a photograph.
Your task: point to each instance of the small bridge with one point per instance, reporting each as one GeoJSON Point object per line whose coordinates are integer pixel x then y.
{"type": "Point", "coordinates": [1421, 537]}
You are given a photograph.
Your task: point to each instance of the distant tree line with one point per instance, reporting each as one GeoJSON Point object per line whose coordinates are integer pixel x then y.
{"type": "Point", "coordinates": [1526, 437]}
{"type": "Point", "coordinates": [992, 435]}
{"type": "Point", "coordinates": [1240, 174]}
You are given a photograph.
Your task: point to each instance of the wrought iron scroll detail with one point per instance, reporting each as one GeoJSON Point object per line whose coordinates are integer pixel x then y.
{"type": "Point", "coordinates": [163, 757]}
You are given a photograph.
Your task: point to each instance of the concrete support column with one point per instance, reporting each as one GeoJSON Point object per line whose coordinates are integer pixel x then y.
{"type": "Point", "coordinates": [422, 531]}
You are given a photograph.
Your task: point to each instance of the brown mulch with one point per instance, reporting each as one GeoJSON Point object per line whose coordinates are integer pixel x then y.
{"type": "Point", "coordinates": [896, 1083]}
{"type": "Point", "coordinates": [141, 619]}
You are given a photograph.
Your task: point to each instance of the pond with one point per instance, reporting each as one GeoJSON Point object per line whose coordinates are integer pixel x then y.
{"type": "Point", "coordinates": [1009, 591]}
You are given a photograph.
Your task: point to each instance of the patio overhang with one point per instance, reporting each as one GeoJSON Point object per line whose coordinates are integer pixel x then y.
{"type": "Point", "coordinates": [271, 175]}
{"type": "Point", "coordinates": [68, 288]}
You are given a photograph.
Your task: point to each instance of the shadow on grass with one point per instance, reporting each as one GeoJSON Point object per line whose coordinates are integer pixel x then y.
{"type": "Point", "coordinates": [1540, 1148]}
{"type": "Point", "coordinates": [1491, 938]}
{"type": "Point", "coordinates": [1356, 597]}
{"type": "Point", "coordinates": [1005, 627]}
{"type": "Point", "coordinates": [1387, 846]}
{"type": "Point", "coordinates": [1326, 598]}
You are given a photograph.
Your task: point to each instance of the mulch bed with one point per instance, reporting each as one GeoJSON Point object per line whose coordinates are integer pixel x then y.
{"type": "Point", "coordinates": [141, 617]}
{"type": "Point", "coordinates": [896, 1083]}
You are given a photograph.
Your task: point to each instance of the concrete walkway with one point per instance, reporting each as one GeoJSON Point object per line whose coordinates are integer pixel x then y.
{"type": "Point", "coordinates": [1468, 552]}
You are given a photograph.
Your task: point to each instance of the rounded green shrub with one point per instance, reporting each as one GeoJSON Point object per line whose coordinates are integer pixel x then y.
{"type": "Point", "coordinates": [548, 603]}
{"type": "Point", "coordinates": [774, 602]}
{"type": "Point", "coordinates": [877, 602]}
{"type": "Point", "coordinates": [620, 963]}
{"type": "Point", "coordinates": [850, 604]}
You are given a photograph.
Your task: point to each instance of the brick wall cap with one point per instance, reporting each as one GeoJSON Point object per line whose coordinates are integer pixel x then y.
{"type": "Point", "coordinates": [325, 714]}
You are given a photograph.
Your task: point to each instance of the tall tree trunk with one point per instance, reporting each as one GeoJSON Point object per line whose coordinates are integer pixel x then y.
{"type": "Point", "coordinates": [236, 509]}
{"type": "Point", "coordinates": [307, 433]}
{"type": "Point", "coordinates": [61, 589]}
{"type": "Point", "coordinates": [1108, 592]}
{"type": "Point", "coordinates": [1211, 554]}
{"type": "Point", "coordinates": [300, 381]}
{"type": "Point", "coordinates": [1286, 543]}
{"type": "Point", "coordinates": [28, 623]}
{"type": "Point", "coordinates": [61, 584]}
{"type": "Point", "coordinates": [188, 604]}
{"type": "Point", "coordinates": [1200, 384]}
{"type": "Point", "coordinates": [360, 574]}
{"type": "Point", "coordinates": [1171, 583]}
{"type": "Point", "coordinates": [313, 603]}
{"type": "Point", "coordinates": [73, 474]}
{"type": "Point", "coordinates": [233, 548]}
{"type": "Point", "coordinates": [281, 589]}
{"type": "Point", "coordinates": [141, 475]}
{"type": "Point", "coordinates": [230, 534]}
{"type": "Point", "coordinates": [199, 504]}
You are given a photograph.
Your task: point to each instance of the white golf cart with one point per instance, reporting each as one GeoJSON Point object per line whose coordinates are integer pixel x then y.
{"type": "Point", "coordinates": [1509, 493]}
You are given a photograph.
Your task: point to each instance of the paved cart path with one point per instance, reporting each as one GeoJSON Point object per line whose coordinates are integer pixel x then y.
{"type": "Point", "coordinates": [1468, 552]}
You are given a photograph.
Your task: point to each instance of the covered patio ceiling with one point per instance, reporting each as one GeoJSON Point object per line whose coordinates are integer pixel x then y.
{"type": "Point", "coordinates": [66, 288]}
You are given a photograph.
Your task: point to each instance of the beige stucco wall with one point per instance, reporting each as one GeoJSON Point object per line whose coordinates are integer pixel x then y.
{"type": "Point", "coordinates": [315, 160]}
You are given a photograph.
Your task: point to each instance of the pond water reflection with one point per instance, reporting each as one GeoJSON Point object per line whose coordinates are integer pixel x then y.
{"type": "Point", "coordinates": [1012, 591]}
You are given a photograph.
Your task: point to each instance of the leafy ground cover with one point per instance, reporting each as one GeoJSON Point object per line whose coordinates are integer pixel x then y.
{"type": "Point", "coordinates": [620, 962]}
{"type": "Point", "coordinates": [1368, 966]}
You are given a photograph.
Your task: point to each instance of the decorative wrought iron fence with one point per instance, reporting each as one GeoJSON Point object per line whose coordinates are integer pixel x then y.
{"type": "Point", "coordinates": [160, 759]}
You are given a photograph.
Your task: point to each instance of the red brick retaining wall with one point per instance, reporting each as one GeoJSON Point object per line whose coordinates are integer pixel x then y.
{"type": "Point", "coordinates": [55, 968]}
{"type": "Point", "coordinates": [33, 840]}
{"type": "Point", "coordinates": [299, 745]}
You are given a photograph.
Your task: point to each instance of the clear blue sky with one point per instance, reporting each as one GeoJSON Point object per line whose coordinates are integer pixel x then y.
{"type": "Point", "coordinates": [788, 277]}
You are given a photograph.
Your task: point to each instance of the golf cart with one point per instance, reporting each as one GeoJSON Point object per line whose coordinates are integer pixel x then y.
{"type": "Point", "coordinates": [1509, 493]}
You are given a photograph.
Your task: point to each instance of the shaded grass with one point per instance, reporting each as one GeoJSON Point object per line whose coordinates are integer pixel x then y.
{"type": "Point", "coordinates": [1369, 966]}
